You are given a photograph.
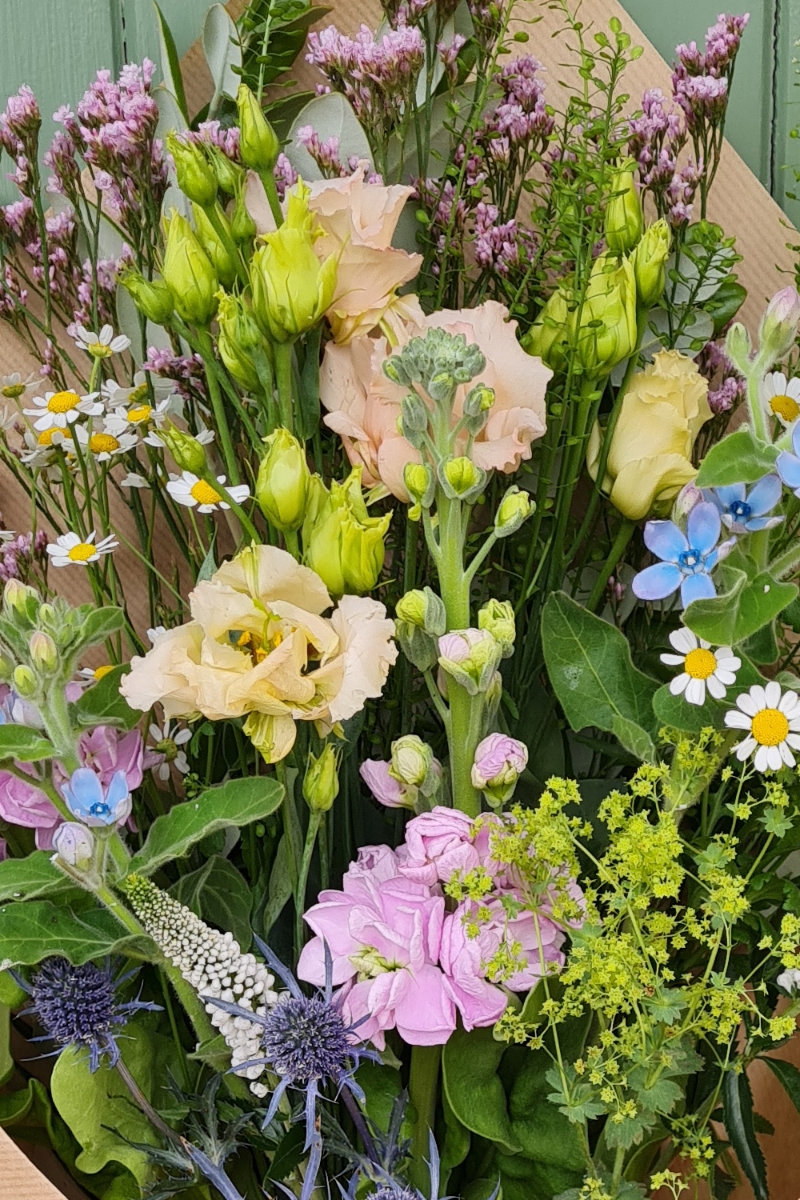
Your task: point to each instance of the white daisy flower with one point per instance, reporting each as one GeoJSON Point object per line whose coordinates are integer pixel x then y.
{"type": "Point", "coordinates": [102, 344]}
{"type": "Point", "coordinates": [117, 396]}
{"type": "Point", "coordinates": [155, 633]}
{"type": "Point", "coordinates": [703, 668]}
{"type": "Point", "coordinates": [13, 386]}
{"type": "Point", "coordinates": [205, 437]}
{"type": "Point", "coordinates": [772, 721]}
{"type": "Point", "coordinates": [58, 410]}
{"type": "Point", "coordinates": [137, 416]}
{"type": "Point", "coordinates": [168, 744]}
{"type": "Point", "coordinates": [187, 489]}
{"type": "Point", "coordinates": [95, 674]}
{"type": "Point", "coordinates": [132, 479]}
{"type": "Point", "coordinates": [781, 397]}
{"type": "Point", "coordinates": [69, 548]}
{"type": "Point", "coordinates": [789, 980]}
{"type": "Point", "coordinates": [40, 446]}
{"type": "Point", "coordinates": [102, 445]}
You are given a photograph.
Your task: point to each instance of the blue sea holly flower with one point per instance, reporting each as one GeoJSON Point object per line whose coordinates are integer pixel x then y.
{"type": "Point", "coordinates": [90, 803]}
{"type": "Point", "coordinates": [687, 558]}
{"type": "Point", "coordinates": [788, 465]}
{"type": "Point", "coordinates": [78, 1006]}
{"type": "Point", "coordinates": [743, 511]}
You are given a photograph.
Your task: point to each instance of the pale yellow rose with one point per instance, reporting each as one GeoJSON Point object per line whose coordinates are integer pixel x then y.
{"type": "Point", "coordinates": [650, 458]}
{"type": "Point", "coordinates": [355, 221]}
{"type": "Point", "coordinates": [258, 643]}
{"type": "Point", "coordinates": [364, 406]}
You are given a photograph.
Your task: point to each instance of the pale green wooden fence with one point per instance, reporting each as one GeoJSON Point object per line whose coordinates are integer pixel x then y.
{"type": "Point", "coordinates": [56, 45]}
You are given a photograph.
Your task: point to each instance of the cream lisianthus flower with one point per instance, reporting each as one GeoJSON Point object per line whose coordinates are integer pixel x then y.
{"type": "Point", "coordinates": [650, 458]}
{"type": "Point", "coordinates": [258, 644]}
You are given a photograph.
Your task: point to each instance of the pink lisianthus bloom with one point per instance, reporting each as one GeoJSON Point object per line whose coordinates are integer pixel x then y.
{"type": "Point", "coordinates": [364, 406]}
{"type": "Point", "coordinates": [438, 844]}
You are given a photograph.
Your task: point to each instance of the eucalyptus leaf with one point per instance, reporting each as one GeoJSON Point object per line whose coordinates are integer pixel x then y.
{"type": "Point", "coordinates": [237, 802]}
{"type": "Point", "coordinates": [223, 53]}
{"type": "Point", "coordinates": [219, 894]}
{"type": "Point", "coordinates": [738, 458]}
{"type": "Point", "coordinates": [171, 64]}
{"type": "Point", "coordinates": [32, 877]}
{"type": "Point", "coordinates": [332, 116]}
{"type": "Point", "coordinates": [474, 1090]}
{"type": "Point", "coordinates": [38, 929]}
{"type": "Point", "coordinates": [25, 744]}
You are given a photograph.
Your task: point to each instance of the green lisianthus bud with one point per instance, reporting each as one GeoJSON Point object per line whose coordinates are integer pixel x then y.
{"type": "Point", "coordinates": [321, 780]}
{"type": "Point", "coordinates": [151, 296]}
{"type": "Point", "coordinates": [738, 347]}
{"type": "Point", "coordinates": [188, 273]}
{"type": "Point", "coordinates": [624, 221]}
{"type": "Point", "coordinates": [258, 143]}
{"type": "Point", "coordinates": [189, 454]}
{"type": "Point", "coordinates": [548, 337]}
{"type": "Point", "coordinates": [515, 507]}
{"type": "Point", "coordinates": [213, 245]}
{"type": "Point", "coordinates": [21, 600]}
{"type": "Point", "coordinates": [229, 174]}
{"type": "Point", "coordinates": [283, 480]}
{"type": "Point", "coordinates": [497, 616]}
{"type": "Point", "coordinates": [25, 681]}
{"type": "Point", "coordinates": [238, 336]}
{"type": "Point", "coordinates": [195, 175]}
{"type": "Point", "coordinates": [650, 263]}
{"type": "Point", "coordinates": [607, 333]}
{"type": "Point", "coordinates": [343, 544]}
{"type": "Point", "coordinates": [461, 478]}
{"type": "Point", "coordinates": [43, 652]}
{"type": "Point", "coordinates": [243, 227]}
{"type": "Point", "coordinates": [424, 609]}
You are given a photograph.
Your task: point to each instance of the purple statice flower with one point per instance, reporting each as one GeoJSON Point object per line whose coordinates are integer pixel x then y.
{"type": "Point", "coordinates": [728, 395]}
{"type": "Point", "coordinates": [721, 47]}
{"type": "Point", "coordinates": [703, 98]}
{"type": "Point", "coordinates": [307, 1043]}
{"type": "Point", "coordinates": [185, 371]}
{"type": "Point", "coordinates": [61, 158]}
{"type": "Point", "coordinates": [687, 558]}
{"type": "Point", "coordinates": [19, 220]}
{"type": "Point", "coordinates": [214, 133]}
{"type": "Point", "coordinates": [79, 1007]}
{"type": "Point", "coordinates": [325, 153]}
{"type": "Point", "coordinates": [285, 175]}
{"type": "Point", "coordinates": [500, 247]}
{"type": "Point", "coordinates": [746, 512]}
{"type": "Point", "coordinates": [23, 556]}
{"type": "Point", "coordinates": [449, 55]}
{"type": "Point", "coordinates": [788, 464]}
{"type": "Point", "coordinates": [729, 387]}
{"type": "Point", "coordinates": [20, 123]}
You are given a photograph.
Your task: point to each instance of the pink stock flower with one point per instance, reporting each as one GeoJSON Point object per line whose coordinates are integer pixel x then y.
{"type": "Point", "coordinates": [384, 787]}
{"type": "Point", "coordinates": [463, 960]}
{"type": "Point", "coordinates": [438, 844]}
{"type": "Point", "coordinates": [107, 751]}
{"type": "Point", "coordinates": [25, 804]}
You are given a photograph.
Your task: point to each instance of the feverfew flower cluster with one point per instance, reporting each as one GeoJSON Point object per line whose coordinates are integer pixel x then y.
{"type": "Point", "coordinates": [214, 965]}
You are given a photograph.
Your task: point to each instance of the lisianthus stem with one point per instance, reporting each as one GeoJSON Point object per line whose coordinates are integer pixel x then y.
{"type": "Point", "coordinates": [423, 1086]}
{"type": "Point", "coordinates": [292, 544]}
{"type": "Point", "coordinates": [305, 866]}
{"type": "Point", "coordinates": [283, 371]}
{"type": "Point", "coordinates": [218, 405]}
{"type": "Point", "coordinates": [758, 416]}
{"type": "Point", "coordinates": [270, 187]}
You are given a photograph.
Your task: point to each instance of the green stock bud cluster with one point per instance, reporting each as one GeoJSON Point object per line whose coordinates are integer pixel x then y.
{"type": "Point", "coordinates": [283, 482]}
{"type": "Point", "coordinates": [189, 273]}
{"type": "Point", "coordinates": [258, 143]}
{"type": "Point", "coordinates": [477, 406]}
{"type": "Point", "coordinates": [471, 658]}
{"type": "Point", "coordinates": [420, 483]}
{"type": "Point", "coordinates": [624, 221]}
{"type": "Point", "coordinates": [196, 177]}
{"type": "Point", "coordinates": [515, 507]}
{"type": "Point", "coordinates": [321, 780]}
{"type": "Point", "coordinates": [438, 362]}
{"type": "Point", "coordinates": [342, 542]}
{"type": "Point", "coordinates": [461, 479]}
{"type": "Point", "coordinates": [497, 618]}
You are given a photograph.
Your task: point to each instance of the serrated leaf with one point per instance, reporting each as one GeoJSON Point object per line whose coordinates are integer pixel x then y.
{"type": "Point", "coordinates": [171, 63]}
{"type": "Point", "coordinates": [237, 802]}
{"type": "Point", "coordinates": [31, 877]}
{"type": "Point", "coordinates": [788, 1076]}
{"type": "Point", "coordinates": [37, 929]}
{"type": "Point", "coordinates": [24, 744]}
{"type": "Point", "coordinates": [104, 704]}
{"type": "Point", "coordinates": [218, 893]}
{"type": "Point", "coordinates": [223, 53]}
{"type": "Point", "coordinates": [738, 458]}
{"type": "Point", "coordinates": [737, 1108]}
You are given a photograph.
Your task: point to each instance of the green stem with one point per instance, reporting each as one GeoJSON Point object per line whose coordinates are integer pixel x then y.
{"type": "Point", "coordinates": [758, 416]}
{"type": "Point", "coordinates": [270, 187]}
{"type": "Point", "coordinates": [283, 371]}
{"type": "Point", "coordinates": [218, 405]}
{"type": "Point", "coordinates": [624, 535]}
{"type": "Point", "coordinates": [785, 563]}
{"type": "Point", "coordinates": [292, 543]}
{"type": "Point", "coordinates": [423, 1088]}
{"type": "Point", "coordinates": [302, 881]}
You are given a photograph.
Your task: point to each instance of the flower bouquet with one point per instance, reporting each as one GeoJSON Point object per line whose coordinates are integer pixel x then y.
{"type": "Point", "coordinates": [400, 695]}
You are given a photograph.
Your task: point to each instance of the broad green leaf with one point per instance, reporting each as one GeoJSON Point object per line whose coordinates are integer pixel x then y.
{"type": "Point", "coordinates": [35, 930]}
{"type": "Point", "coordinates": [218, 893]}
{"type": "Point", "coordinates": [237, 802]}
{"type": "Point", "coordinates": [590, 668]}
{"type": "Point", "coordinates": [523, 1179]}
{"type": "Point", "coordinates": [725, 303]}
{"type": "Point", "coordinates": [332, 116]}
{"type": "Point", "coordinates": [6, 1057]}
{"type": "Point", "coordinates": [23, 743]}
{"type": "Point", "coordinates": [223, 52]}
{"type": "Point", "coordinates": [635, 739]}
{"type": "Point", "coordinates": [100, 624]}
{"type": "Point", "coordinates": [31, 877]}
{"type": "Point", "coordinates": [98, 1107]}
{"type": "Point", "coordinates": [737, 1108]}
{"type": "Point", "coordinates": [11, 994]}
{"type": "Point", "coordinates": [474, 1090]}
{"type": "Point", "coordinates": [103, 704]}
{"type": "Point", "coordinates": [280, 886]}
{"type": "Point", "coordinates": [546, 1135]}
{"type": "Point", "coordinates": [170, 62]}
{"type": "Point", "coordinates": [457, 1139]}
{"type": "Point", "coordinates": [738, 458]}
{"type": "Point", "coordinates": [742, 610]}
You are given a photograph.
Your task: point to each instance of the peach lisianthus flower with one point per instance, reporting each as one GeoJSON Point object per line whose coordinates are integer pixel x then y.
{"type": "Point", "coordinates": [356, 221]}
{"type": "Point", "coordinates": [364, 406]}
{"type": "Point", "coordinates": [258, 644]}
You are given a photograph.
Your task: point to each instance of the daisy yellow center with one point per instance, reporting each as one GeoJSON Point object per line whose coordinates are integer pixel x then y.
{"type": "Point", "coordinates": [99, 672]}
{"type": "Point", "coordinates": [204, 493]}
{"type": "Point", "coordinates": [786, 407]}
{"type": "Point", "coordinates": [99, 350]}
{"type": "Point", "coordinates": [700, 664]}
{"type": "Point", "coordinates": [13, 391]}
{"type": "Point", "coordinates": [103, 443]}
{"type": "Point", "coordinates": [82, 552]}
{"type": "Point", "coordinates": [770, 727]}
{"type": "Point", "coordinates": [62, 402]}
{"type": "Point", "coordinates": [139, 413]}
{"type": "Point", "coordinates": [45, 438]}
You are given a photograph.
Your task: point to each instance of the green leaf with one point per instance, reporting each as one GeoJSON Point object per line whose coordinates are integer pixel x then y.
{"type": "Point", "coordinates": [788, 1076]}
{"type": "Point", "coordinates": [280, 886]}
{"type": "Point", "coordinates": [103, 703]}
{"type": "Point", "coordinates": [99, 625]}
{"type": "Point", "coordinates": [6, 1057]}
{"type": "Point", "coordinates": [457, 1139]}
{"type": "Point", "coordinates": [742, 610]}
{"type": "Point", "coordinates": [590, 668]}
{"type": "Point", "coordinates": [725, 303]}
{"type": "Point", "coordinates": [737, 1108]}
{"type": "Point", "coordinates": [32, 931]}
{"type": "Point", "coordinates": [738, 458]}
{"type": "Point", "coordinates": [170, 62]}
{"type": "Point", "coordinates": [237, 802]}
{"type": "Point", "coordinates": [635, 739]}
{"type": "Point", "coordinates": [218, 893]}
{"type": "Point", "coordinates": [98, 1107]}
{"type": "Point", "coordinates": [25, 744]}
{"type": "Point", "coordinates": [474, 1090]}
{"type": "Point", "coordinates": [223, 52]}
{"type": "Point", "coordinates": [31, 877]}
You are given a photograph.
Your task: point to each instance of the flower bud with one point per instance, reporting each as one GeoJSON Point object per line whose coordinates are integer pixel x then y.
{"type": "Point", "coordinates": [291, 288]}
{"type": "Point", "coordinates": [20, 600]}
{"type": "Point", "coordinates": [194, 173]}
{"type": "Point", "coordinates": [283, 481]}
{"type": "Point", "coordinates": [383, 785]}
{"type": "Point", "coordinates": [689, 495]}
{"type": "Point", "coordinates": [321, 780]}
{"type": "Point", "coordinates": [25, 681]}
{"type": "Point", "coordinates": [470, 657]}
{"type": "Point", "coordinates": [477, 406]}
{"type": "Point", "coordinates": [462, 479]}
{"type": "Point", "coordinates": [650, 263]}
{"type": "Point", "coordinates": [188, 273]}
{"type": "Point", "coordinates": [414, 417]}
{"type": "Point", "coordinates": [189, 454]}
{"type": "Point", "coordinates": [215, 248]}
{"type": "Point", "coordinates": [151, 297]}
{"type": "Point", "coordinates": [423, 609]}
{"type": "Point", "coordinates": [739, 348]}
{"type": "Point", "coordinates": [514, 508]}
{"type": "Point", "coordinates": [778, 329]}
{"type": "Point", "coordinates": [74, 845]}
{"type": "Point", "coordinates": [499, 762]}
{"type": "Point", "coordinates": [238, 336]}
{"type": "Point", "coordinates": [343, 544]}
{"type": "Point", "coordinates": [243, 227]}
{"type": "Point", "coordinates": [420, 483]}
{"type": "Point", "coordinates": [43, 652]}
{"type": "Point", "coordinates": [229, 174]}
{"type": "Point", "coordinates": [607, 332]}
{"type": "Point", "coordinates": [623, 216]}
{"type": "Point", "coordinates": [548, 337]}
{"type": "Point", "coordinates": [414, 766]}
{"type": "Point", "coordinates": [258, 143]}
{"type": "Point", "coordinates": [497, 617]}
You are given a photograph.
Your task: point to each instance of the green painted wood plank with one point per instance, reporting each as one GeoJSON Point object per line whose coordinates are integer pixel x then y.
{"type": "Point", "coordinates": [786, 149]}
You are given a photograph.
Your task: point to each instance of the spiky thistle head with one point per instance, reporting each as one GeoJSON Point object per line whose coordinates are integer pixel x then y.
{"type": "Point", "coordinates": [306, 1038]}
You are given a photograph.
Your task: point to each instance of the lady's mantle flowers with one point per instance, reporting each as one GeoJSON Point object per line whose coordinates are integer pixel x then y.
{"type": "Point", "coordinates": [192, 492]}
{"type": "Point", "coordinates": [214, 965]}
{"type": "Point", "coordinates": [743, 511]}
{"type": "Point", "coordinates": [69, 548]}
{"type": "Point", "coordinates": [772, 722]}
{"type": "Point", "coordinates": [703, 670]}
{"type": "Point", "coordinates": [688, 558]}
